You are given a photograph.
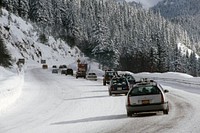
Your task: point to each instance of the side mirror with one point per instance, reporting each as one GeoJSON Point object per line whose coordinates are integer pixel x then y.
{"type": "Point", "coordinates": [166, 91]}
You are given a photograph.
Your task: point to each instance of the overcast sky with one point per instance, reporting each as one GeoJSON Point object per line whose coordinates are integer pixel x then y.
{"type": "Point", "coordinates": [147, 3]}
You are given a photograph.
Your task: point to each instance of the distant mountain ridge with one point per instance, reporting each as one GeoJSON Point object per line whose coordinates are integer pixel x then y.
{"type": "Point", "coordinates": [177, 8]}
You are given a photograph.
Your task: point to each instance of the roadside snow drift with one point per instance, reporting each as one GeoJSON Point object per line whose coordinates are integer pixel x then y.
{"type": "Point", "coordinates": [11, 85]}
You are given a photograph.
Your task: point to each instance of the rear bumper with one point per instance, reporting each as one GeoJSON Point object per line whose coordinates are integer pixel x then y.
{"type": "Point", "coordinates": [91, 78]}
{"type": "Point", "coordinates": [119, 92]}
{"type": "Point", "coordinates": [147, 108]}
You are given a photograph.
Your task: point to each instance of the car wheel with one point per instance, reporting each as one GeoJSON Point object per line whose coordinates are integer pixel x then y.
{"type": "Point", "coordinates": [104, 83]}
{"type": "Point", "coordinates": [165, 112]}
{"type": "Point", "coordinates": [110, 94]}
{"type": "Point", "coordinates": [129, 114]}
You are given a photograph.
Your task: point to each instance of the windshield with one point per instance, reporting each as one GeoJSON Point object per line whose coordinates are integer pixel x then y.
{"type": "Point", "coordinates": [110, 73]}
{"type": "Point", "coordinates": [119, 81]}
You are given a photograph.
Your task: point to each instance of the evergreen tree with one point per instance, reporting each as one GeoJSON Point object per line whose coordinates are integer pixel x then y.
{"type": "Point", "coordinates": [193, 64]}
{"type": "Point", "coordinates": [198, 67]}
{"type": "Point", "coordinates": [5, 57]}
{"type": "Point", "coordinates": [23, 8]}
{"type": "Point", "coordinates": [1, 4]}
{"type": "Point", "coordinates": [177, 60]}
{"type": "Point", "coordinates": [43, 39]}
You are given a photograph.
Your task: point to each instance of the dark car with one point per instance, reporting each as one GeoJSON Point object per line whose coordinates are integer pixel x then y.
{"type": "Point", "coordinates": [64, 66]}
{"type": "Point", "coordinates": [63, 71]}
{"type": "Point", "coordinates": [130, 79]}
{"type": "Point", "coordinates": [69, 71]}
{"type": "Point", "coordinates": [146, 96]}
{"type": "Point", "coordinates": [45, 66]}
{"type": "Point", "coordinates": [54, 66]}
{"type": "Point", "coordinates": [55, 70]}
{"type": "Point", "coordinates": [61, 67]}
{"type": "Point", "coordinates": [109, 74]}
{"type": "Point", "coordinates": [118, 85]}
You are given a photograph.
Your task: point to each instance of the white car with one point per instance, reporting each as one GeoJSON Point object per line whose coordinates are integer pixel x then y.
{"type": "Point", "coordinates": [146, 96]}
{"type": "Point", "coordinates": [91, 76]}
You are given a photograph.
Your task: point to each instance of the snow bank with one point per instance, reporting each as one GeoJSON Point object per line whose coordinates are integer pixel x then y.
{"type": "Point", "coordinates": [11, 85]}
{"type": "Point", "coordinates": [169, 76]}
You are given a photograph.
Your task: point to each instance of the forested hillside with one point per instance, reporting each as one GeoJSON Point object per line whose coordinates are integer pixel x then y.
{"type": "Point", "coordinates": [117, 35]}
{"type": "Point", "coordinates": [185, 13]}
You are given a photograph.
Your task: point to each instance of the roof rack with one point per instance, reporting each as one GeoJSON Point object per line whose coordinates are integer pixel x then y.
{"type": "Point", "coordinates": [144, 81]}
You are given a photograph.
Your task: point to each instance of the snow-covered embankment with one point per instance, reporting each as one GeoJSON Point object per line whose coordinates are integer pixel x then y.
{"type": "Point", "coordinates": [10, 90]}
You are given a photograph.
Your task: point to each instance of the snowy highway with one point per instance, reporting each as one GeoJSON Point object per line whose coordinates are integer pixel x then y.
{"type": "Point", "coordinates": [55, 103]}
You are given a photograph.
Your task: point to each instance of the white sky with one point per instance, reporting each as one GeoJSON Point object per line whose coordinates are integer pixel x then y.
{"type": "Point", "coordinates": [147, 3]}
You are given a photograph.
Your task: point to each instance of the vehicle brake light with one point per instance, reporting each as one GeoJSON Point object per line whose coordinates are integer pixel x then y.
{"type": "Point", "coordinates": [127, 87]}
{"type": "Point", "coordinates": [129, 103]}
{"type": "Point", "coordinates": [112, 88]}
{"type": "Point", "coordinates": [162, 98]}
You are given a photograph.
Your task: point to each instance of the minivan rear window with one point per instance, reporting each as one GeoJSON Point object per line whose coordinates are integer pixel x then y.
{"type": "Point", "coordinates": [144, 90]}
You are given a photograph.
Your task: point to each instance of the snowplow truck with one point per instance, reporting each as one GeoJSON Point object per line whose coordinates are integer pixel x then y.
{"type": "Point", "coordinates": [82, 70]}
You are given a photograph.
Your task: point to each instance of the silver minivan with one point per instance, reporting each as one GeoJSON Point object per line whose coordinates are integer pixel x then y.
{"type": "Point", "coordinates": [146, 96]}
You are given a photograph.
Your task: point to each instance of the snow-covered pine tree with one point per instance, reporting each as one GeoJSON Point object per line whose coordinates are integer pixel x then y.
{"type": "Point", "coordinates": [198, 67]}
{"type": "Point", "coordinates": [38, 13]}
{"type": "Point", "coordinates": [1, 4]}
{"type": "Point", "coordinates": [5, 57]}
{"type": "Point", "coordinates": [23, 8]}
{"type": "Point", "coordinates": [193, 64]}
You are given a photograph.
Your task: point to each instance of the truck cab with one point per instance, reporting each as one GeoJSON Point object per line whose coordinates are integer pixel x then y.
{"type": "Point", "coordinates": [81, 72]}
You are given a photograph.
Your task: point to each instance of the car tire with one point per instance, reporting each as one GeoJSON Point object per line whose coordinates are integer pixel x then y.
{"type": "Point", "coordinates": [110, 94]}
{"type": "Point", "coordinates": [129, 114]}
{"type": "Point", "coordinates": [165, 111]}
{"type": "Point", "coordinates": [104, 83]}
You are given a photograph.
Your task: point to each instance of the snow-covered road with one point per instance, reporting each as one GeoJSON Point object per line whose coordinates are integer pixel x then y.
{"type": "Point", "coordinates": [55, 103]}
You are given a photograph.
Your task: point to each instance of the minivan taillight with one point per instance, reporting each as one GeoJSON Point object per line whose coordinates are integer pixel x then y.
{"type": "Point", "coordinates": [127, 87]}
{"type": "Point", "coordinates": [162, 98]}
{"type": "Point", "coordinates": [112, 88]}
{"type": "Point", "coordinates": [129, 102]}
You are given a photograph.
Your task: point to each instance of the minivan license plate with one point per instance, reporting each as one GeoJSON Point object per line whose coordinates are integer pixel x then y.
{"type": "Point", "coordinates": [145, 101]}
{"type": "Point", "coordinates": [119, 88]}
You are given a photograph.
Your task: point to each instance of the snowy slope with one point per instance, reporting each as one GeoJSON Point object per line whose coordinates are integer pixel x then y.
{"type": "Point", "coordinates": [22, 41]}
